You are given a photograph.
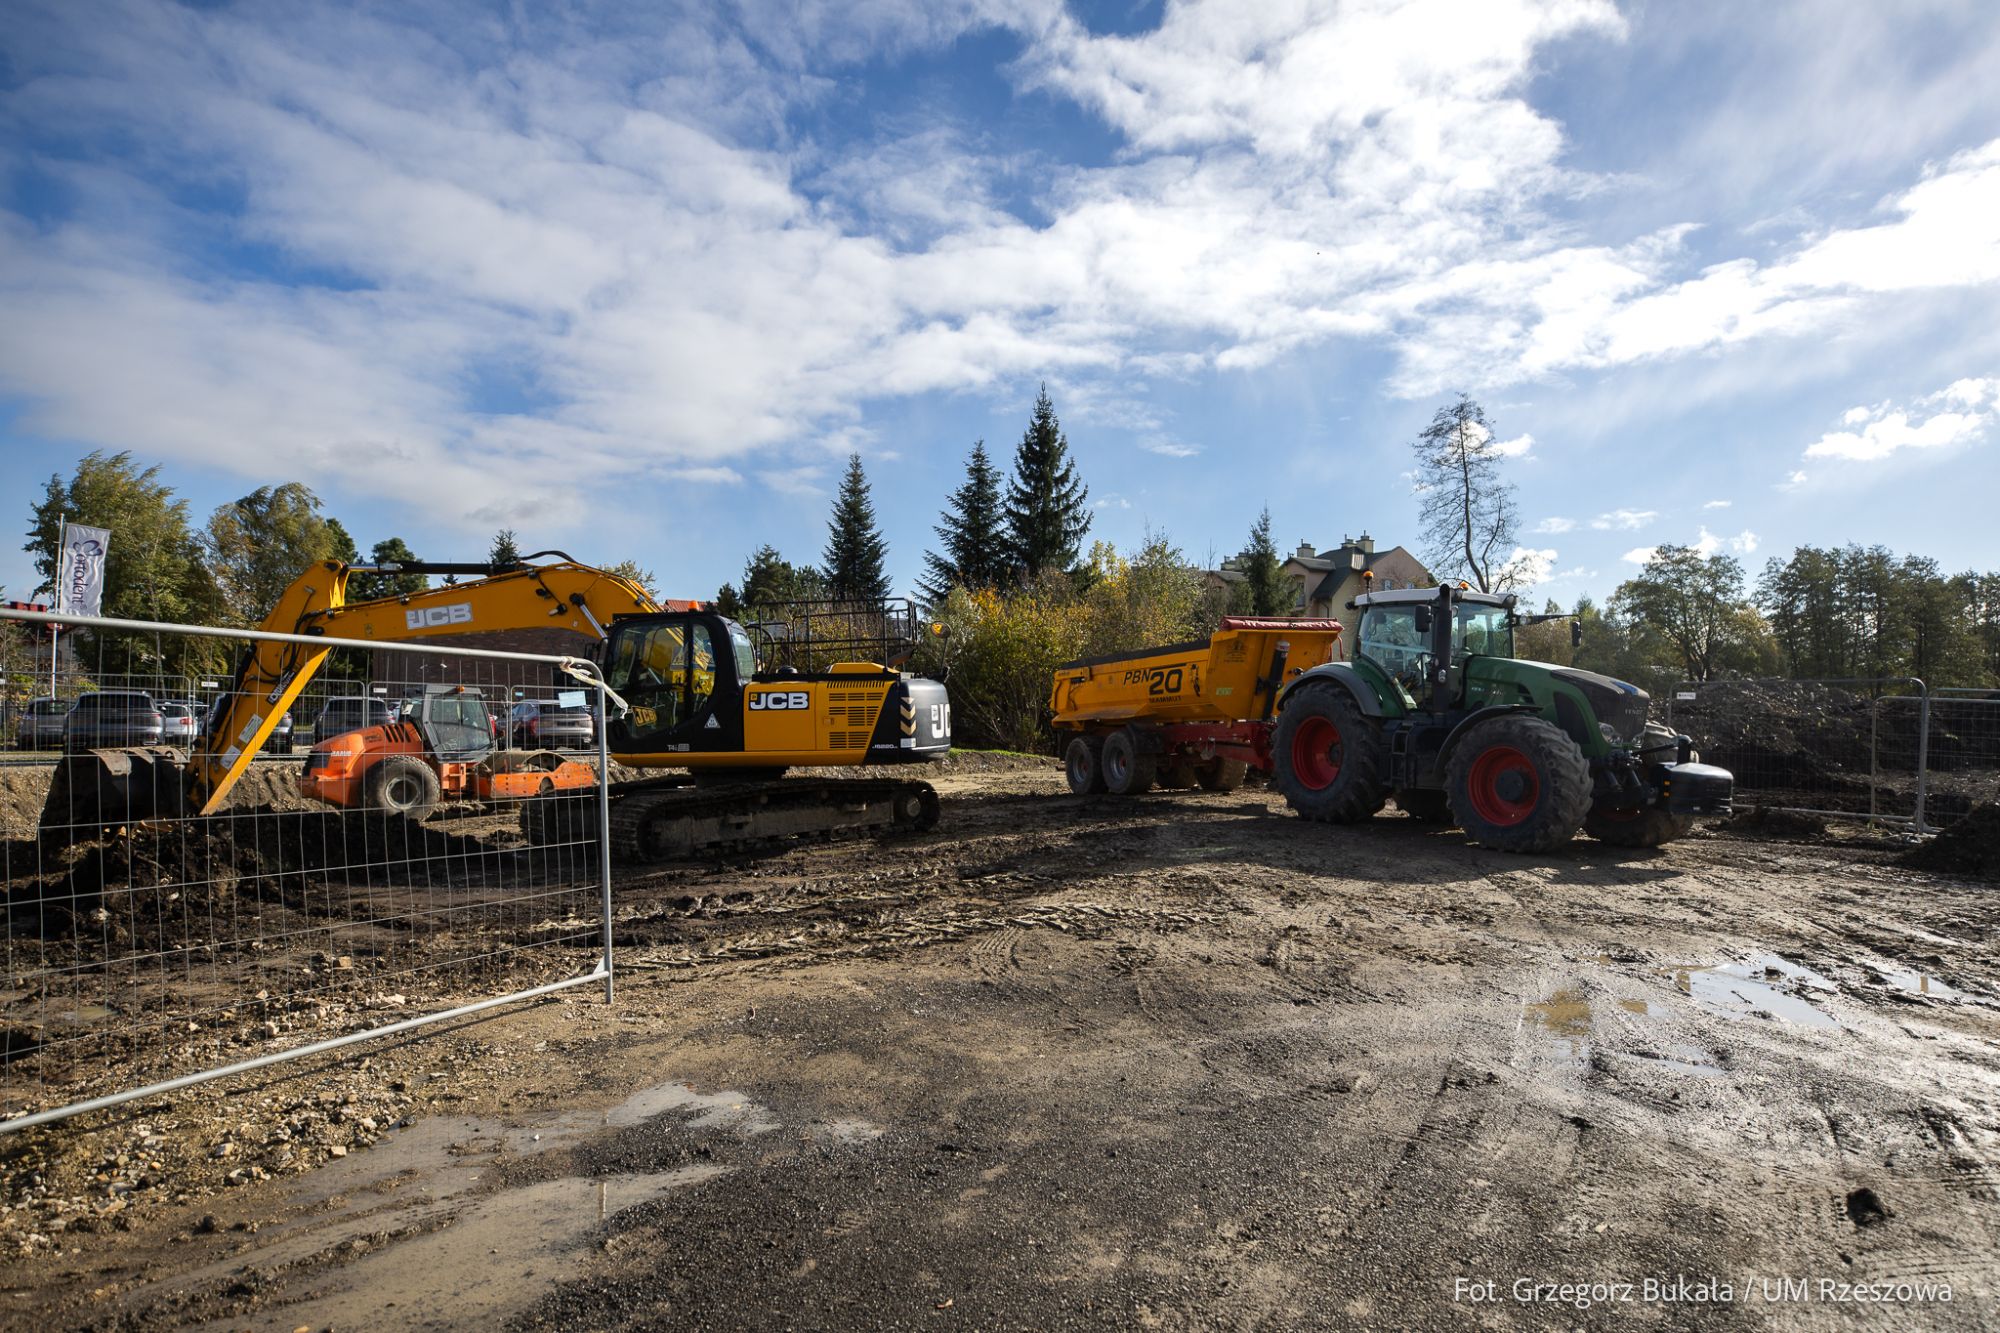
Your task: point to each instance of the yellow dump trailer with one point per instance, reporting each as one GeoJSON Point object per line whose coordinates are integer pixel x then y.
{"type": "Point", "coordinates": [1186, 714]}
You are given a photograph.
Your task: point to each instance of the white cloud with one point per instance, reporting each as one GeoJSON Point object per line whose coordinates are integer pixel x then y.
{"type": "Point", "coordinates": [1516, 447]}
{"type": "Point", "coordinates": [1169, 448]}
{"type": "Point", "coordinates": [1624, 520]}
{"type": "Point", "coordinates": [1639, 555]}
{"type": "Point", "coordinates": [1969, 407]}
{"type": "Point", "coordinates": [1554, 526]}
{"type": "Point", "coordinates": [1743, 543]}
{"type": "Point", "coordinates": [1525, 568]}
{"type": "Point", "coordinates": [1792, 481]}
{"type": "Point", "coordinates": [1718, 504]}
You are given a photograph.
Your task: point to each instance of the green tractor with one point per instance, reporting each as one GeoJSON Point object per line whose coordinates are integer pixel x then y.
{"type": "Point", "coordinates": [1436, 711]}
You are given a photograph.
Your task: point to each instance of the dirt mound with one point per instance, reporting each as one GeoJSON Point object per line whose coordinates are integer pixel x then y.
{"type": "Point", "coordinates": [1969, 847]}
{"type": "Point", "coordinates": [147, 885]}
{"type": "Point", "coordinates": [1785, 734]}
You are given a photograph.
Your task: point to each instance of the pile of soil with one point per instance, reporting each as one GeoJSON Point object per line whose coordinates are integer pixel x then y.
{"type": "Point", "coordinates": [148, 886]}
{"type": "Point", "coordinates": [1969, 847]}
{"type": "Point", "coordinates": [1783, 734]}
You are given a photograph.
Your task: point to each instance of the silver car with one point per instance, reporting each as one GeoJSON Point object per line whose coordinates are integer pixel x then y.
{"type": "Point", "coordinates": [41, 724]}
{"type": "Point", "coordinates": [180, 721]}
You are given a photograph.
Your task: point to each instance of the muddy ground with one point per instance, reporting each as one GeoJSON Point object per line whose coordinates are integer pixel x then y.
{"type": "Point", "coordinates": [1181, 1062]}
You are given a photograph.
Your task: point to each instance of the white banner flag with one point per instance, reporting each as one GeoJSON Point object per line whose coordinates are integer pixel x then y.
{"type": "Point", "coordinates": [80, 579]}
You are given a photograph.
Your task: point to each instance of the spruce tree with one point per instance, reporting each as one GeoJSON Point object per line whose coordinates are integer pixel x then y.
{"type": "Point", "coordinates": [504, 551]}
{"type": "Point", "coordinates": [1259, 563]}
{"type": "Point", "coordinates": [1046, 512]}
{"type": "Point", "coordinates": [854, 546]}
{"type": "Point", "coordinates": [975, 551]}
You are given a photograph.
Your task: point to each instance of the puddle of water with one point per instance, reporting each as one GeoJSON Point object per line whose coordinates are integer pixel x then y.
{"type": "Point", "coordinates": [1564, 1014]}
{"type": "Point", "coordinates": [1757, 985]}
{"type": "Point", "coordinates": [497, 1257]}
{"type": "Point", "coordinates": [1918, 983]}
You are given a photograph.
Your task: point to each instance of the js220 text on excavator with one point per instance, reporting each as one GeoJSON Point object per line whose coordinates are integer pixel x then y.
{"type": "Point", "coordinates": [687, 690]}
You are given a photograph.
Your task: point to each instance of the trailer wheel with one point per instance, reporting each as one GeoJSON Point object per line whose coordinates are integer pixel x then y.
{"type": "Point", "coordinates": [1637, 828]}
{"type": "Point", "coordinates": [404, 786]}
{"type": "Point", "coordinates": [1221, 774]}
{"type": "Point", "coordinates": [1328, 757]}
{"type": "Point", "coordinates": [1128, 769]}
{"type": "Point", "coordinates": [1519, 784]}
{"type": "Point", "coordinates": [1424, 804]}
{"type": "Point", "coordinates": [1083, 764]}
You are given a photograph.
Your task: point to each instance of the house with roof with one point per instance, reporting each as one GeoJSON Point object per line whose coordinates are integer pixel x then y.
{"type": "Point", "coordinates": [1328, 580]}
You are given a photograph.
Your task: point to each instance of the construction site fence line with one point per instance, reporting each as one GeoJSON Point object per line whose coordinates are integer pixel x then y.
{"type": "Point", "coordinates": [143, 963]}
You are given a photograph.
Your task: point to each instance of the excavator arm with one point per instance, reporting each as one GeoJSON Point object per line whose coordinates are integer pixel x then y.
{"type": "Point", "coordinates": [271, 675]}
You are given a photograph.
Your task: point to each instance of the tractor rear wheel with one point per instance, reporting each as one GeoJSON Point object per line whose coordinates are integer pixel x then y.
{"type": "Point", "coordinates": [1221, 774]}
{"type": "Point", "coordinates": [1128, 767]}
{"type": "Point", "coordinates": [1518, 783]}
{"type": "Point", "coordinates": [1637, 828]}
{"type": "Point", "coordinates": [1329, 758]}
{"type": "Point", "coordinates": [400, 785]}
{"type": "Point", "coordinates": [1083, 765]}
{"type": "Point", "coordinates": [1425, 804]}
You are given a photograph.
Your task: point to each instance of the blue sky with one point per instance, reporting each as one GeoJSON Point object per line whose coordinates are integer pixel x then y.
{"type": "Point", "coordinates": [634, 279]}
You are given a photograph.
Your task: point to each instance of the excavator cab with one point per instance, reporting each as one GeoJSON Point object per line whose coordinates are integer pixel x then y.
{"type": "Point", "coordinates": [697, 698]}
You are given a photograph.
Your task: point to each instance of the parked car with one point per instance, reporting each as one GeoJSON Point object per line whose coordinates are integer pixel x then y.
{"type": "Point", "coordinates": [343, 715]}
{"type": "Point", "coordinates": [280, 739]}
{"type": "Point", "coordinates": [180, 721]}
{"type": "Point", "coordinates": [113, 718]}
{"type": "Point", "coordinates": [40, 725]}
{"type": "Point", "coordinates": [545, 724]}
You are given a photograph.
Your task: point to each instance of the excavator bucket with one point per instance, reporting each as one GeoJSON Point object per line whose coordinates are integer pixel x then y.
{"type": "Point", "coordinates": [101, 791]}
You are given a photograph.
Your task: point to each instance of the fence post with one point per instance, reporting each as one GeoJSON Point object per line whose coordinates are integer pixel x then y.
{"type": "Point", "coordinates": [604, 825]}
{"type": "Point", "coordinates": [1923, 755]}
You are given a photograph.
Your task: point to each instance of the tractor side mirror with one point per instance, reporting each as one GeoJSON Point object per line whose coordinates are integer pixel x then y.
{"type": "Point", "coordinates": [1576, 634]}
{"type": "Point", "coordinates": [1423, 618]}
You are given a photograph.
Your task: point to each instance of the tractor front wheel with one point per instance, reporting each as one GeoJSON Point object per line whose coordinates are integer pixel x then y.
{"type": "Point", "coordinates": [1083, 765]}
{"type": "Point", "coordinates": [404, 786]}
{"type": "Point", "coordinates": [1517, 783]}
{"type": "Point", "coordinates": [1637, 828]}
{"type": "Point", "coordinates": [1329, 757]}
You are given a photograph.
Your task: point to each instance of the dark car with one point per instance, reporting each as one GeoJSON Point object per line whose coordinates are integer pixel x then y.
{"type": "Point", "coordinates": [113, 718]}
{"type": "Point", "coordinates": [351, 714]}
{"type": "Point", "coordinates": [41, 723]}
{"type": "Point", "coordinates": [546, 724]}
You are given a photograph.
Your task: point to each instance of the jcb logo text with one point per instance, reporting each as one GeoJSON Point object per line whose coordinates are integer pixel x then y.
{"type": "Point", "coordinates": [772, 700]}
{"type": "Point", "coordinates": [430, 617]}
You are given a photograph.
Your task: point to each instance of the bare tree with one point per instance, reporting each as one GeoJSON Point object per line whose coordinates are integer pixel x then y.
{"type": "Point", "coordinates": [1468, 509]}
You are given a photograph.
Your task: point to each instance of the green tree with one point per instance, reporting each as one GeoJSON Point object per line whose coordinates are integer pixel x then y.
{"type": "Point", "coordinates": [153, 570]}
{"type": "Point", "coordinates": [503, 550]}
{"type": "Point", "coordinates": [854, 546]}
{"type": "Point", "coordinates": [973, 534]}
{"type": "Point", "coordinates": [1047, 513]}
{"type": "Point", "coordinates": [633, 572]}
{"type": "Point", "coordinates": [1694, 602]}
{"type": "Point", "coordinates": [388, 551]}
{"type": "Point", "coordinates": [340, 544]}
{"type": "Point", "coordinates": [1467, 507]}
{"type": "Point", "coordinates": [1268, 593]}
{"type": "Point", "coordinates": [1548, 641]}
{"type": "Point", "coordinates": [770, 582]}
{"type": "Point", "coordinates": [259, 544]}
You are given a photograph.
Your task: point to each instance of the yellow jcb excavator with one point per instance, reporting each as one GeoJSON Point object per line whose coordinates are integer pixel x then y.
{"type": "Point", "coordinates": [689, 695]}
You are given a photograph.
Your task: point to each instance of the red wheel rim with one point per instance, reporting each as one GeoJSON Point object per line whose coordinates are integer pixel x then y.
{"type": "Point", "coordinates": [1316, 753]}
{"type": "Point", "coordinates": [1504, 786]}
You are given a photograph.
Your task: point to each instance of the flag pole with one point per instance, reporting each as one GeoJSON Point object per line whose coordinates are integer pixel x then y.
{"type": "Point", "coordinates": [62, 528]}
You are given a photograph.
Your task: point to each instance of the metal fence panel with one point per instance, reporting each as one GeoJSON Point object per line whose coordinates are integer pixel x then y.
{"type": "Point", "coordinates": [1962, 768]}
{"type": "Point", "coordinates": [145, 953]}
{"type": "Point", "coordinates": [1849, 749]}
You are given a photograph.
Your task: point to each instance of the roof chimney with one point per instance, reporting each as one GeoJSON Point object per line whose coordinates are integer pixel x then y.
{"type": "Point", "coordinates": [1366, 543]}
{"type": "Point", "coordinates": [1304, 552]}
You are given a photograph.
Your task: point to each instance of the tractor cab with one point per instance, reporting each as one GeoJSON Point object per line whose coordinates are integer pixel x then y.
{"type": "Point", "coordinates": [1421, 639]}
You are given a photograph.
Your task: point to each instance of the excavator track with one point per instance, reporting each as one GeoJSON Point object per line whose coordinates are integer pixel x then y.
{"type": "Point", "coordinates": [671, 819]}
